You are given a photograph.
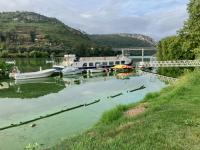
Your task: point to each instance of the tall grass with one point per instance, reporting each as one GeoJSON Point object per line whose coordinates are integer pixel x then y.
{"type": "Point", "coordinates": [112, 115]}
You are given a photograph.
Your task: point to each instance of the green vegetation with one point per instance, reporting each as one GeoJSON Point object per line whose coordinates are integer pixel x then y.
{"type": "Point", "coordinates": [24, 90]}
{"type": "Point", "coordinates": [123, 40]}
{"type": "Point", "coordinates": [186, 44]}
{"type": "Point", "coordinates": [170, 121]}
{"type": "Point", "coordinates": [27, 34]}
{"type": "Point", "coordinates": [4, 70]}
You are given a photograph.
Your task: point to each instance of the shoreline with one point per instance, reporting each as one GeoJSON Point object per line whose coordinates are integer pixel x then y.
{"type": "Point", "coordinates": [165, 111]}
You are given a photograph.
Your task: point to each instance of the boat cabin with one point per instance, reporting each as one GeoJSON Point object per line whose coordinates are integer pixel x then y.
{"type": "Point", "coordinates": [94, 62]}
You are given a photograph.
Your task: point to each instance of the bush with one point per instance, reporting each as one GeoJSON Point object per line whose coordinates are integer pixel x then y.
{"type": "Point", "coordinates": [4, 70]}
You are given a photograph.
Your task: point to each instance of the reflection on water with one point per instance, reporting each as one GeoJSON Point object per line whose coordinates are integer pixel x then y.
{"type": "Point", "coordinates": [33, 88]}
{"type": "Point", "coordinates": [54, 94]}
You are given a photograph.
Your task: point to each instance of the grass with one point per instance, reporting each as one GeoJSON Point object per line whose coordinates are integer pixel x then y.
{"type": "Point", "coordinates": [171, 121]}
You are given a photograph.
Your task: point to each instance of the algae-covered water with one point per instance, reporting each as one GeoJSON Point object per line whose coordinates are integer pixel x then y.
{"type": "Point", "coordinates": [26, 100]}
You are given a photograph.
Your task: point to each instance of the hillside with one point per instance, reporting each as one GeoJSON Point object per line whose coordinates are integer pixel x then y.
{"type": "Point", "coordinates": [28, 34]}
{"type": "Point", "coordinates": [123, 40]}
{"type": "Point", "coordinates": [26, 31]}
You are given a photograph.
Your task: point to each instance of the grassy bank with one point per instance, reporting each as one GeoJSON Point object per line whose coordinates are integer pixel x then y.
{"type": "Point", "coordinates": [171, 120]}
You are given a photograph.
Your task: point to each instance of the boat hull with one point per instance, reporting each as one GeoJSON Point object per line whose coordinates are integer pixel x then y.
{"type": "Point", "coordinates": [33, 75]}
{"type": "Point", "coordinates": [71, 71]}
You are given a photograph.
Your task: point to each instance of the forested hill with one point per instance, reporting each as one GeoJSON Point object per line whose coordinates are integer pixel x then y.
{"type": "Point", "coordinates": [32, 31]}
{"type": "Point", "coordinates": [123, 40]}
{"type": "Point", "coordinates": [28, 34]}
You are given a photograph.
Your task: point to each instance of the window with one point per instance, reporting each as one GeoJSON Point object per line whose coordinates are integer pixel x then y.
{"type": "Point", "coordinates": [122, 62]}
{"type": "Point", "coordinates": [111, 63]}
{"type": "Point", "coordinates": [97, 64]}
{"type": "Point", "coordinates": [91, 64]}
{"type": "Point", "coordinates": [117, 63]}
{"type": "Point", "coordinates": [85, 65]}
{"type": "Point", "coordinates": [105, 63]}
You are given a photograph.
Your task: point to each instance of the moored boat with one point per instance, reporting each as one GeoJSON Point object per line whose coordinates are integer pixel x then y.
{"type": "Point", "coordinates": [97, 70]}
{"type": "Point", "coordinates": [32, 75]}
{"type": "Point", "coordinates": [85, 63]}
{"type": "Point", "coordinates": [71, 70]}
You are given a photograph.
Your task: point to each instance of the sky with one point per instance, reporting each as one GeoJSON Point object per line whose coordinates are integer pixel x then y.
{"type": "Point", "coordinates": [155, 18]}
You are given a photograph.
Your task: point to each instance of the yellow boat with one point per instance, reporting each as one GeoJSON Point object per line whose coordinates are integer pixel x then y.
{"type": "Point", "coordinates": [119, 67]}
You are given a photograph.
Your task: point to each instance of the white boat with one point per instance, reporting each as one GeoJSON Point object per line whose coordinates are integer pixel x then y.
{"type": "Point", "coordinates": [84, 63]}
{"type": "Point", "coordinates": [98, 70]}
{"type": "Point", "coordinates": [71, 70]}
{"type": "Point", "coordinates": [32, 75]}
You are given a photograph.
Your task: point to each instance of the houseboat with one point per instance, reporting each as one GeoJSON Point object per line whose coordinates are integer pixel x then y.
{"type": "Point", "coordinates": [84, 63]}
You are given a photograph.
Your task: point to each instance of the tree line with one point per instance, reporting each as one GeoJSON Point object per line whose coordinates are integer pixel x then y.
{"type": "Point", "coordinates": [185, 45]}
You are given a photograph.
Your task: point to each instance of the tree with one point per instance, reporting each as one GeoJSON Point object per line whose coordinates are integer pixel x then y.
{"type": "Point", "coordinates": [33, 36]}
{"type": "Point", "coordinates": [190, 33]}
{"type": "Point", "coordinates": [170, 48]}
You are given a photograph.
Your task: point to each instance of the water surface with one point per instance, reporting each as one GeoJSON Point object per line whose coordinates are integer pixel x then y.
{"type": "Point", "coordinates": [54, 94]}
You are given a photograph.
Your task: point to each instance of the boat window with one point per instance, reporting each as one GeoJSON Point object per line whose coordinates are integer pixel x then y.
{"type": "Point", "coordinates": [105, 63]}
{"type": "Point", "coordinates": [85, 65]}
{"type": "Point", "coordinates": [122, 62]}
{"type": "Point", "coordinates": [97, 64]}
{"type": "Point", "coordinates": [111, 63]}
{"type": "Point", "coordinates": [117, 63]}
{"type": "Point", "coordinates": [91, 64]}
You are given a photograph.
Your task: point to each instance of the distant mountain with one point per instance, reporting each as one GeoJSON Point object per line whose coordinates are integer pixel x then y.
{"type": "Point", "coordinates": [26, 31]}
{"type": "Point", "coordinates": [24, 34]}
{"type": "Point", "coordinates": [123, 40]}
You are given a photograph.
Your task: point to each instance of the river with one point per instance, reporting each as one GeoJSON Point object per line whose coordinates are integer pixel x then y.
{"type": "Point", "coordinates": [22, 101]}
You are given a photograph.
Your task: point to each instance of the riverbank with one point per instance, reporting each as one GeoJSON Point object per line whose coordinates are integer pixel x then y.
{"type": "Point", "coordinates": [169, 119]}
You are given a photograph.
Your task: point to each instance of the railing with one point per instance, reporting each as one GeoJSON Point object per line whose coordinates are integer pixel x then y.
{"type": "Point", "coordinates": [175, 63]}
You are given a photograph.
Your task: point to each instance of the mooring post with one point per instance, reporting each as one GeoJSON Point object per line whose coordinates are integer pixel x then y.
{"type": "Point", "coordinates": [122, 52]}
{"type": "Point", "coordinates": [142, 54]}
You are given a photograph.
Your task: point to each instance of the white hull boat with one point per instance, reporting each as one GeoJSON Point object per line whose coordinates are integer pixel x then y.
{"type": "Point", "coordinates": [33, 75]}
{"type": "Point", "coordinates": [71, 70]}
{"type": "Point", "coordinates": [85, 63]}
{"type": "Point", "coordinates": [100, 70]}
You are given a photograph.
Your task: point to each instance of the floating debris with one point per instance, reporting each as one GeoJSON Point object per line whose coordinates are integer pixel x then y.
{"type": "Point", "coordinates": [39, 118]}
{"type": "Point", "coordinates": [62, 111]}
{"type": "Point", "coordinates": [140, 88]}
{"type": "Point", "coordinates": [96, 101]}
{"type": "Point", "coordinates": [116, 95]}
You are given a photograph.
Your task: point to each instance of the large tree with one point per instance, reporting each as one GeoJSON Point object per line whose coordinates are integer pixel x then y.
{"type": "Point", "coordinates": [169, 48]}
{"type": "Point", "coordinates": [190, 33]}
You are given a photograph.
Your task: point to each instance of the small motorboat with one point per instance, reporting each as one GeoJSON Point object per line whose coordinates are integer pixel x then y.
{"type": "Point", "coordinates": [31, 75]}
{"type": "Point", "coordinates": [71, 70]}
{"type": "Point", "coordinates": [97, 70]}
